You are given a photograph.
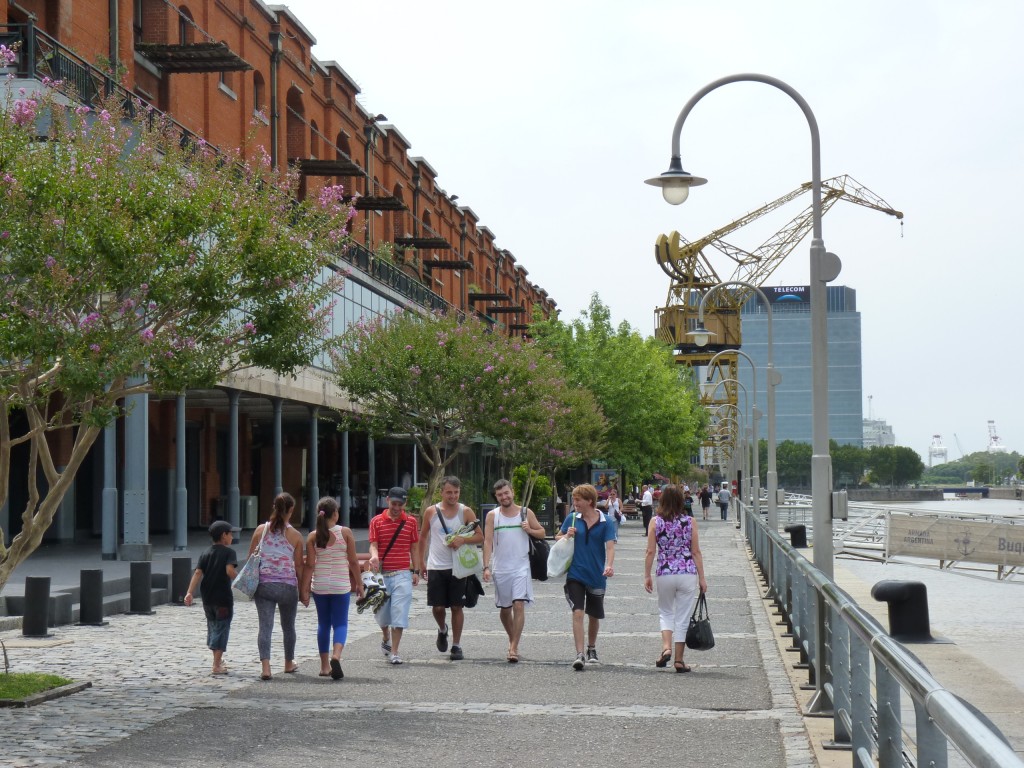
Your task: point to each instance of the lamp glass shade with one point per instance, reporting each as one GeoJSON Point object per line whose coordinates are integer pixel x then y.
{"type": "Point", "coordinates": [675, 192]}
{"type": "Point", "coordinates": [700, 335]}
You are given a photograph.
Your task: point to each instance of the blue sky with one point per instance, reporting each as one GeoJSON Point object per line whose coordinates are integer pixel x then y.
{"type": "Point", "coordinates": [546, 117]}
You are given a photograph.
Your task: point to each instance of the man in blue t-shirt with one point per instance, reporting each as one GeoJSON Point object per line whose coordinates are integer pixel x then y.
{"type": "Point", "coordinates": [593, 534]}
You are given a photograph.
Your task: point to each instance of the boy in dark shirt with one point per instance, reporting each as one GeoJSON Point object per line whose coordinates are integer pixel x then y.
{"type": "Point", "coordinates": [216, 570]}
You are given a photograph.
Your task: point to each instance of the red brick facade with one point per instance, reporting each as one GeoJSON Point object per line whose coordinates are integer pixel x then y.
{"type": "Point", "coordinates": [310, 108]}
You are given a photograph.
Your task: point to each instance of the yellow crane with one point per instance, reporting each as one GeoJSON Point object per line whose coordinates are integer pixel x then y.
{"type": "Point", "coordinates": [692, 275]}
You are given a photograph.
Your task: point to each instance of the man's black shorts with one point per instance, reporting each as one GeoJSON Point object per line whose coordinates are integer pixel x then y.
{"type": "Point", "coordinates": [582, 598]}
{"type": "Point", "coordinates": [444, 590]}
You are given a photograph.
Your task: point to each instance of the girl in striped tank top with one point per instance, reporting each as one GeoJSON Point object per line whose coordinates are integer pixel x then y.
{"type": "Point", "coordinates": [332, 570]}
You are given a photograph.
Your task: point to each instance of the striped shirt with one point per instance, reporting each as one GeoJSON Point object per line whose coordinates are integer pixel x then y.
{"type": "Point", "coordinates": [382, 530]}
{"type": "Point", "coordinates": [330, 573]}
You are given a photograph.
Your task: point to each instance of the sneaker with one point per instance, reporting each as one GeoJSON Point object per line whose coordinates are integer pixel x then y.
{"type": "Point", "coordinates": [396, 659]}
{"type": "Point", "coordinates": [592, 655]}
{"type": "Point", "coordinates": [578, 664]}
{"type": "Point", "coordinates": [385, 648]}
{"type": "Point", "coordinates": [456, 654]}
{"type": "Point", "coordinates": [442, 639]}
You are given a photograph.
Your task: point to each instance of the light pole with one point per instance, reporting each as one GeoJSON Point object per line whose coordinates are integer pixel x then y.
{"type": "Point", "coordinates": [755, 415]}
{"type": "Point", "coordinates": [675, 184]}
{"type": "Point", "coordinates": [745, 463]}
{"type": "Point", "coordinates": [700, 336]}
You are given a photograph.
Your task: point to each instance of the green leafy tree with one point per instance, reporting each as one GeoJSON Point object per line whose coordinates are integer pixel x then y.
{"type": "Point", "coordinates": [893, 465]}
{"type": "Point", "coordinates": [793, 464]}
{"type": "Point", "coordinates": [847, 464]}
{"type": "Point", "coordinates": [444, 380]}
{"type": "Point", "coordinates": [131, 264]}
{"type": "Point", "coordinates": [654, 418]}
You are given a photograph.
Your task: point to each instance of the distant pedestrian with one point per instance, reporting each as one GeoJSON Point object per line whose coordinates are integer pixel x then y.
{"type": "Point", "coordinates": [705, 500]}
{"type": "Point", "coordinates": [330, 575]}
{"type": "Point", "coordinates": [646, 506]}
{"type": "Point", "coordinates": [507, 534]}
{"type": "Point", "coordinates": [673, 538]}
{"type": "Point", "coordinates": [213, 575]}
{"type": "Point", "coordinates": [723, 500]}
{"type": "Point", "coordinates": [280, 569]}
{"type": "Point", "coordinates": [614, 510]}
{"type": "Point", "coordinates": [592, 560]}
{"type": "Point", "coordinates": [393, 536]}
{"type": "Point", "coordinates": [444, 591]}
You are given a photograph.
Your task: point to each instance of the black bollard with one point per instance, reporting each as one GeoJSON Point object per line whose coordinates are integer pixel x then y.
{"type": "Point", "coordinates": [797, 536]}
{"type": "Point", "coordinates": [35, 621]}
{"type": "Point", "coordinates": [140, 599]}
{"type": "Point", "coordinates": [90, 598]}
{"type": "Point", "coordinates": [181, 575]}
{"type": "Point", "coordinates": [908, 609]}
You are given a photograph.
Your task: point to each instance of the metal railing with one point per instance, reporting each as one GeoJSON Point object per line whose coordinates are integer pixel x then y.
{"type": "Point", "coordinates": [394, 278]}
{"type": "Point", "coordinates": [41, 56]}
{"type": "Point", "coordinates": [865, 674]}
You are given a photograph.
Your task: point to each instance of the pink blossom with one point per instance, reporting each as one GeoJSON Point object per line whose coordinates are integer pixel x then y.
{"type": "Point", "coordinates": [146, 335]}
{"type": "Point", "coordinates": [94, 347]}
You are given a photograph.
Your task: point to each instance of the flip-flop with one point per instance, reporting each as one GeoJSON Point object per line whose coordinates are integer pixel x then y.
{"type": "Point", "coordinates": [664, 659]}
{"type": "Point", "coordinates": [336, 673]}
{"type": "Point", "coordinates": [513, 658]}
{"type": "Point", "coordinates": [266, 677]}
{"type": "Point", "coordinates": [292, 671]}
{"type": "Point", "coordinates": [325, 674]}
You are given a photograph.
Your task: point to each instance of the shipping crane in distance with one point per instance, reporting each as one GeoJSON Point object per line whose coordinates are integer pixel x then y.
{"type": "Point", "coordinates": [692, 275]}
{"type": "Point", "coordinates": [958, 446]}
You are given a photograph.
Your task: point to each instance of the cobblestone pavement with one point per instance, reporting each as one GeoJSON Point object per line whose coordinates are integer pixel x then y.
{"type": "Point", "coordinates": [153, 701]}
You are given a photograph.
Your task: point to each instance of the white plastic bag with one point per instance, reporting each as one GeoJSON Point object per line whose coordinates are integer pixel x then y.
{"type": "Point", "coordinates": [560, 556]}
{"type": "Point", "coordinates": [467, 560]}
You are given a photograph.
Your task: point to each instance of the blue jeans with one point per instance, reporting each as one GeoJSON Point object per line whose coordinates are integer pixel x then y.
{"type": "Point", "coordinates": [331, 611]}
{"type": "Point", "coordinates": [395, 612]}
{"type": "Point", "coordinates": [218, 626]}
{"type": "Point", "coordinates": [270, 595]}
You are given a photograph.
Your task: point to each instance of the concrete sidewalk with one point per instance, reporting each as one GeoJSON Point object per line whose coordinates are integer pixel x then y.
{"type": "Point", "coordinates": [153, 703]}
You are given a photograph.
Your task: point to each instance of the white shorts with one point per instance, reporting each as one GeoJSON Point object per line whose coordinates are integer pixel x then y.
{"type": "Point", "coordinates": [511, 586]}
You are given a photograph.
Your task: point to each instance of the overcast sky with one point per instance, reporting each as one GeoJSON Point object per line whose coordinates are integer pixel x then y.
{"type": "Point", "coordinates": [546, 117]}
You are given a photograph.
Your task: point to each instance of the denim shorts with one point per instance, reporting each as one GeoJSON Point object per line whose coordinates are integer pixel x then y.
{"type": "Point", "coordinates": [218, 626]}
{"type": "Point", "coordinates": [395, 612]}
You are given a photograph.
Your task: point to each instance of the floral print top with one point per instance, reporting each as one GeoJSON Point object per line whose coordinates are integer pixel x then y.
{"type": "Point", "coordinates": [278, 559]}
{"type": "Point", "coordinates": [674, 537]}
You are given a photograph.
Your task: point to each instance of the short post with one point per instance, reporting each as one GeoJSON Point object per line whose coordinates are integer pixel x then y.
{"type": "Point", "coordinates": [797, 535]}
{"type": "Point", "coordinates": [90, 598]}
{"type": "Point", "coordinates": [908, 609]}
{"type": "Point", "coordinates": [181, 574]}
{"type": "Point", "coordinates": [140, 599]}
{"type": "Point", "coordinates": [35, 621]}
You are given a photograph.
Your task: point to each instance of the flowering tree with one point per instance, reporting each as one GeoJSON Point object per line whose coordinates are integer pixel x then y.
{"type": "Point", "coordinates": [134, 262]}
{"type": "Point", "coordinates": [443, 380]}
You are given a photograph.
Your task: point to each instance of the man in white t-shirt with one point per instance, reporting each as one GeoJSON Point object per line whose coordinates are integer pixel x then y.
{"type": "Point", "coordinates": [647, 507]}
{"type": "Point", "coordinates": [723, 500]}
{"type": "Point", "coordinates": [444, 591]}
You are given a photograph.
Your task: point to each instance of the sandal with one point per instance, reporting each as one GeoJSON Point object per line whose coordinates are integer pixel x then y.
{"type": "Point", "coordinates": [681, 667]}
{"type": "Point", "coordinates": [664, 659]}
{"type": "Point", "coordinates": [513, 658]}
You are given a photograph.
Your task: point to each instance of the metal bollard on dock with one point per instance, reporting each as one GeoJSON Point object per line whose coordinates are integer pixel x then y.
{"type": "Point", "coordinates": [140, 600]}
{"type": "Point", "coordinates": [90, 598]}
{"type": "Point", "coordinates": [36, 619]}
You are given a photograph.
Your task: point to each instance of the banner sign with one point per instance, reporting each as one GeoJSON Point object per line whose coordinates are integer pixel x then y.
{"type": "Point", "coordinates": [794, 294]}
{"type": "Point", "coordinates": [947, 538]}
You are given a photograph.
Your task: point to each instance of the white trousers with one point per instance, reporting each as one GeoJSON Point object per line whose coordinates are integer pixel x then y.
{"type": "Point", "coordinates": [677, 594]}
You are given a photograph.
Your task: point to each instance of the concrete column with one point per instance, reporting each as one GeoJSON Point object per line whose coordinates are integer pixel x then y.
{"type": "Point", "coordinates": [234, 514]}
{"type": "Point", "coordinates": [314, 463]}
{"type": "Point", "coordinates": [346, 500]}
{"type": "Point", "coordinates": [278, 479]}
{"type": "Point", "coordinates": [180, 489]}
{"type": "Point", "coordinates": [109, 521]}
{"type": "Point", "coordinates": [136, 546]}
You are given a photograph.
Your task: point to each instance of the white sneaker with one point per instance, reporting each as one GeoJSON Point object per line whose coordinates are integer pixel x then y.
{"type": "Point", "coordinates": [579, 662]}
{"type": "Point", "coordinates": [396, 659]}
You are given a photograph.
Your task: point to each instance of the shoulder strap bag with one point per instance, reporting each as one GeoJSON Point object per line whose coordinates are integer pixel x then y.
{"type": "Point", "coordinates": [539, 551]}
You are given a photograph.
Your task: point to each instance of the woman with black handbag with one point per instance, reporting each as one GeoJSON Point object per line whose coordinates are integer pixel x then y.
{"type": "Point", "coordinates": [672, 538]}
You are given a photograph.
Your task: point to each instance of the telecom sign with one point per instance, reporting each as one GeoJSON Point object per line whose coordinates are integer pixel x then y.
{"type": "Point", "coordinates": [788, 294]}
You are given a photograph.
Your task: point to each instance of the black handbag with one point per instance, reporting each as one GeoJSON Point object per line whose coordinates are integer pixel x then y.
{"type": "Point", "coordinates": [699, 636]}
{"type": "Point", "coordinates": [539, 549]}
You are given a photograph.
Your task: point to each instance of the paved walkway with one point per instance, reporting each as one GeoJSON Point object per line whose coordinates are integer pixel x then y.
{"type": "Point", "coordinates": [153, 702]}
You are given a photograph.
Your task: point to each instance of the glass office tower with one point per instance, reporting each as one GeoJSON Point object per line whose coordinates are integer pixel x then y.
{"type": "Point", "coordinates": [791, 327]}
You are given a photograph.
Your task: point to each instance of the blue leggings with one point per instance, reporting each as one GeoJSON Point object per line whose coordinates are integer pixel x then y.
{"type": "Point", "coordinates": [331, 611]}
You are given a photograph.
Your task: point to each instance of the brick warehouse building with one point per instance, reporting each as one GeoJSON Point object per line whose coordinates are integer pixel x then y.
{"type": "Point", "coordinates": [240, 73]}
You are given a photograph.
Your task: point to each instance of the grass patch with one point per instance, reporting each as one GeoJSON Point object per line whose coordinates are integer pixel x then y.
{"type": "Point", "coordinates": [18, 685]}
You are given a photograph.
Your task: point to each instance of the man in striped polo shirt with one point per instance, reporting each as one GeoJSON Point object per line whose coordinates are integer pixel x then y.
{"type": "Point", "coordinates": [393, 534]}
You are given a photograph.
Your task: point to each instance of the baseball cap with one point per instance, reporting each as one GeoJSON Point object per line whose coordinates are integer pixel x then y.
{"type": "Point", "coordinates": [219, 528]}
{"type": "Point", "coordinates": [398, 493]}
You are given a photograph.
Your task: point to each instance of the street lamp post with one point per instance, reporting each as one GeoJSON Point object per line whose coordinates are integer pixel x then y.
{"type": "Point", "coordinates": [675, 184]}
{"type": "Point", "coordinates": [755, 415]}
{"type": "Point", "coordinates": [745, 462]}
{"type": "Point", "coordinates": [700, 337]}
